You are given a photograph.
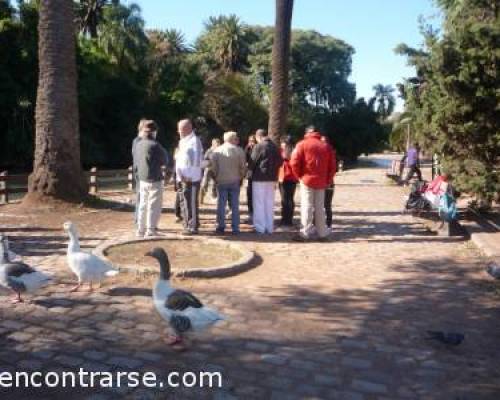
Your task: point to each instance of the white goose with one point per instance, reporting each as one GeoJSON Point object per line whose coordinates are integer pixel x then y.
{"type": "Point", "coordinates": [17, 276]}
{"type": "Point", "coordinates": [87, 267]}
{"type": "Point", "coordinates": [183, 311]}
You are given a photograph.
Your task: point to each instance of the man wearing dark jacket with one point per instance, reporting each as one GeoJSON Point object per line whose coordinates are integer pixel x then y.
{"type": "Point", "coordinates": [149, 157]}
{"type": "Point", "coordinates": [265, 163]}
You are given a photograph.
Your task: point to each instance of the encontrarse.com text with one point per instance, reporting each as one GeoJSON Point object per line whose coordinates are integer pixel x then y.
{"type": "Point", "coordinates": [87, 379]}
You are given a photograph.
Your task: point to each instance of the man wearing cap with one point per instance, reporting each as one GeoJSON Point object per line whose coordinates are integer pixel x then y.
{"type": "Point", "coordinates": [149, 157]}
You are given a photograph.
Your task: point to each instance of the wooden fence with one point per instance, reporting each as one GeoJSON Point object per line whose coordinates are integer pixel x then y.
{"type": "Point", "coordinates": [99, 180]}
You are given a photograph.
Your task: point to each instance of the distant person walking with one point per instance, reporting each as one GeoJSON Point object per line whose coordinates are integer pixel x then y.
{"type": "Point", "coordinates": [248, 152]}
{"type": "Point", "coordinates": [228, 164]}
{"type": "Point", "coordinates": [150, 157]}
{"type": "Point", "coordinates": [413, 163]}
{"type": "Point", "coordinates": [265, 162]}
{"type": "Point", "coordinates": [188, 172]}
{"type": "Point", "coordinates": [208, 174]}
{"type": "Point", "coordinates": [287, 184]}
{"type": "Point", "coordinates": [314, 164]}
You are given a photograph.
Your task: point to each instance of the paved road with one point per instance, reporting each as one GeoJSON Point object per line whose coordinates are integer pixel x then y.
{"type": "Point", "coordinates": [339, 320]}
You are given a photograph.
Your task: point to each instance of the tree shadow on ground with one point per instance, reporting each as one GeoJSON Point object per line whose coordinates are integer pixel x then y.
{"type": "Point", "coordinates": [306, 341]}
{"type": "Point", "coordinates": [45, 245]}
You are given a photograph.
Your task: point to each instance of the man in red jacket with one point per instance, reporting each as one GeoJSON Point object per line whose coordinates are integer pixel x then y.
{"type": "Point", "coordinates": [313, 162]}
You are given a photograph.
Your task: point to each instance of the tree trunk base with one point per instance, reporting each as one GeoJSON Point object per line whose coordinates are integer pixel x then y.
{"type": "Point", "coordinates": [42, 201]}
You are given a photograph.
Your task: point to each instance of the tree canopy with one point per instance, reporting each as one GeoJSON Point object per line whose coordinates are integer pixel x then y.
{"type": "Point", "coordinates": [453, 99]}
{"type": "Point", "coordinates": [222, 81]}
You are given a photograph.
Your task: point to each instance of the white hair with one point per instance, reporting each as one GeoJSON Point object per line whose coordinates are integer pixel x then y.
{"type": "Point", "coordinates": [229, 136]}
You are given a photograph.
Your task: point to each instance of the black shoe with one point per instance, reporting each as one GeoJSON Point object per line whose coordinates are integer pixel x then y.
{"type": "Point", "coordinates": [300, 238]}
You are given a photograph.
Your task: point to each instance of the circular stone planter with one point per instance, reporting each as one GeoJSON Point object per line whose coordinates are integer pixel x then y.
{"type": "Point", "coordinates": [241, 258]}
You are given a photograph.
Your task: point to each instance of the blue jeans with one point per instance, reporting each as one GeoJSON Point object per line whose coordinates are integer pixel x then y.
{"type": "Point", "coordinates": [231, 191]}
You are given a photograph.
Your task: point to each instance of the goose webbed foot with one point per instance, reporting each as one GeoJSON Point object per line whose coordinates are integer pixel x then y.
{"type": "Point", "coordinates": [174, 339]}
{"type": "Point", "coordinates": [177, 342]}
{"type": "Point", "coordinates": [17, 299]}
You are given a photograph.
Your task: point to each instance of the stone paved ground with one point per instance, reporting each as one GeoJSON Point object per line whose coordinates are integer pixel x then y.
{"type": "Point", "coordinates": [338, 320]}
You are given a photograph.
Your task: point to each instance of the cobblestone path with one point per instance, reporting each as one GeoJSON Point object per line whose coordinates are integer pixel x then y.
{"type": "Point", "coordinates": [340, 320]}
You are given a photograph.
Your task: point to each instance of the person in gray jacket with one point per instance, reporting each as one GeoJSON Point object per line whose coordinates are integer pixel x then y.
{"type": "Point", "coordinates": [149, 157]}
{"type": "Point", "coordinates": [229, 166]}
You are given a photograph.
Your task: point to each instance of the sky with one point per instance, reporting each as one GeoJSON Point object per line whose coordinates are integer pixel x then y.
{"type": "Point", "coordinates": [373, 27]}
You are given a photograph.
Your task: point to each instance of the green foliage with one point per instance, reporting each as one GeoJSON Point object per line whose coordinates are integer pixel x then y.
{"type": "Point", "coordinates": [231, 104]}
{"type": "Point", "coordinates": [223, 83]}
{"type": "Point", "coordinates": [355, 130]}
{"type": "Point", "coordinates": [18, 69]}
{"type": "Point", "coordinates": [455, 99]}
{"type": "Point", "coordinates": [224, 44]}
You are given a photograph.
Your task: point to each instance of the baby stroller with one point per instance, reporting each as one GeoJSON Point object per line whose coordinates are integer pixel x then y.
{"type": "Point", "coordinates": [416, 200]}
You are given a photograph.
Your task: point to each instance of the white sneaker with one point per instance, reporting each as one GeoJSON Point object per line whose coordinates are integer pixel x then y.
{"type": "Point", "coordinates": [139, 234]}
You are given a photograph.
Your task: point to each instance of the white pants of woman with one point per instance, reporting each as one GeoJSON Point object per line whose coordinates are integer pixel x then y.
{"type": "Point", "coordinates": [263, 206]}
{"type": "Point", "coordinates": [150, 205]}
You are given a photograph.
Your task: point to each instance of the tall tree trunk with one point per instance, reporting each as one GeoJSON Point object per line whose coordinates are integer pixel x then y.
{"type": "Point", "coordinates": [281, 64]}
{"type": "Point", "coordinates": [57, 171]}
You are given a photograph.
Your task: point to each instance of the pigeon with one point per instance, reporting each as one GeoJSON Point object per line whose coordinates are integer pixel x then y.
{"type": "Point", "coordinates": [449, 338]}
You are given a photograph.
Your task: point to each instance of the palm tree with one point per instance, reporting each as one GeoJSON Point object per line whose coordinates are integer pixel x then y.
{"type": "Point", "coordinates": [90, 15]}
{"type": "Point", "coordinates": [225, 43]}
{"type": "Point", "coordinates": [384, 100]}
{"type": "Point", "coordinates": [121, 35]}
{"type": "Point", "coordinates": [57, 171]}
{"type": "Point", "coordinates": [166, 49]}
{"type": "Point", "coordinates": [280, 67]}
{"type": "Point", "coordinates": [167, 43]}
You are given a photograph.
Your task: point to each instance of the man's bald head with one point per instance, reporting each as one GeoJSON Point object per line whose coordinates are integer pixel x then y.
{"type": "Point", "coordinates": [184, 127]}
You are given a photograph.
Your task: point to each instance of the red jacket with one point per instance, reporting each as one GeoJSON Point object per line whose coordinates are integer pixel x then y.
{"type": "Point", "coordinates": [313, 161]}
{"type": "Point", "coordinates": [286, 173]}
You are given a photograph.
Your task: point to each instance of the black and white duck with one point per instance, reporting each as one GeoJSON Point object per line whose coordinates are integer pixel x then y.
{"type": "Point", "coordinates": [18, 276]}
{"type": "Point", "coordinates": [181, 309]}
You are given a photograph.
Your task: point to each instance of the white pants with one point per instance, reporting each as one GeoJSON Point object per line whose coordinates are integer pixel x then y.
{"type": "Point", "coordinates": [150, 205]}
{"type": "Point", "coordinates": [312, 212]}
{"type": "Point", "coordinates": [263, 206]}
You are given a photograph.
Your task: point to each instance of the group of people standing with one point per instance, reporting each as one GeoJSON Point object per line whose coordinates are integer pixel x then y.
{"type": "Point", "coordinates": [311, 164]}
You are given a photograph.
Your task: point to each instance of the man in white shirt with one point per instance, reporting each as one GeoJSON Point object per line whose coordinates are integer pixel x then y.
{"type": "Point", "coordinates": [188, 168]}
